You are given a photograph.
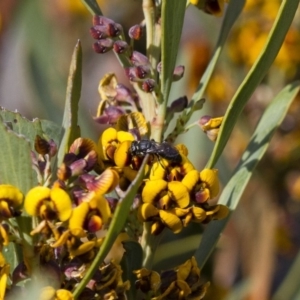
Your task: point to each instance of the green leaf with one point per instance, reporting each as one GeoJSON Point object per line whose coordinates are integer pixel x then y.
{"type": "Point", "coordinates": [15, 159]}
{"type": "Point", "coordinates": [132, 260]}
{"type": "Point", "coordinates": [257, 147]}
{"type": "Point", "coordinates": [51, 130]}
{"type": "Point", "coordinates": [115, 227]}
{"type": "Point", "coordinates": [289, 288]}
{"type": "Point", "coordinates": [93, 7]}
{"type": "Point", "coordinates": [256, 74]}
{"type": "Point", "coordinates": [232, 13]}
{"type": "Point", "coordinates": [70, 120]}
{"type": "Point", "coordinates": [172, 16]}
{"type": "Point", "coordinates": [12, 254]}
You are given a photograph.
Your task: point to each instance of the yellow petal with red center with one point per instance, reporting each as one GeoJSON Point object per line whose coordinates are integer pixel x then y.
{"type": "Point", "coordinates": [190, 179]}
{"type": "Point", "coordinates": [12, 194]}
{"type": "Point", "coordinates": [100, 203]}
{"type": "Point", "coordinates": [107, 181]}
{"type": "Point", "coordinates": [183, 150]}
{"type": "Point", "coordinates": [63, 203]}
{"type": "Point", "coordinates": [171, 221]}
{"type": "Point", "coordinates": [158, 170]}
{"type": "Point", "coordinates": [146, 212]}
{"type": "Point", "coordinates": [210, 177]}
{"type": "Point", "coordinates": [34, 199]}
{"type": "Point", "coordinates": [109, 135]}
{"type": "Point", "coordinates": [82, 146]}
{"type": "Point", "coordinates": [78, 216]}
{"type": "Point", "coordinates": [83, 248]}
{"type": "Point", "coordinates": [121, 155]}
{"type": "Point", "coordinates": [124, 136]}
{"type": "Point", "coordinates": [64, 295]}
{"type": "Point", "coordinates": [179, 193]}
{"type": "Point", "coordinates": [199, 214]}
{"type": "Point", "coordinates": [152, 189]}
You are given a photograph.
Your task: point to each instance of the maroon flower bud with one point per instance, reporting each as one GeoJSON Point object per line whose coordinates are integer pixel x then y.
{"type": "Point", "coordinates": [99, 32]}
{"type": "Point", "coordinates": [132, 74]}
{"type": "Point", "coordinates": [142, 71]}
{"type": "Point", "coordinates": [138, 59]}
{"type": "Point", "coordinates": [179, 104]}
{"type": "Point", "coordinates": [114, 29]}
{"type": "Point", "coordinates": [148, 85]}
{"type": "Point", "coordinates": [100, 20]}
{"type": "Point", "coordinates": [135, 32]}
{"type": "Point", "coordinates": [110, 115]}
{"type": "Point", "coordinates": [103, 46]}
{"type": "Point", "coordinates": [178, 73]}
{"type": "Point", "coordinates": [120, 46]}
{"type": "Point", "coordinates": [123, 92]}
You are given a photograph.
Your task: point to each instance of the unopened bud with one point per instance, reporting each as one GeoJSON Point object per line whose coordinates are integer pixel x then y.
{"type": "Point", "coordinates": [99, 32]}
{"type": "Point", "coordinates": [41, 146]}
{"type": "Point", "coordinates": [132, 74]}
{"type": "Point", "coordinates": [100, 20]}
{"type": "Point", "coordinates": [142, 71]}
{"type": "Point", "coordinates": [120, 46]}
{"type": "Point", "coordinates": [178, 73]}
{"type": "Point", "coordinates": [179, 104]}
{"type": "Point", "coordinates": [149, 85]}
{"type": "Point", "coordinates": [103, 46]}
{"type": "Point", "coordinates": [138, 59]}
{"type": "Point", "coordinates": [135, 32]}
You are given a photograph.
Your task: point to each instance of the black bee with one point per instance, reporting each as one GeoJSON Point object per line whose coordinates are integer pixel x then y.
{"type": "Point", "coordinates": [164, 150]}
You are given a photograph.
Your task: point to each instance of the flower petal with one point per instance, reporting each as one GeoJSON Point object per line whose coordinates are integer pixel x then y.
{"type": "Point", "coordinates": [171, 221]}
{"type": "Point", "coordinates": [191, 179]}
{"type": "Point", "coordinates": [179, 193]}
{"type": "Point", "coordinates": [147, 211]}
{"type": "Point", "coordinates": [63, 203]}
{"type": "Point", "coordinates": [11, 193]}
{"type": "Point", "coordinates": [34, 198]}
{"type": "Point", "coordinates": [152, 189]}
{"type": "Point", "coordinates": [121, 155]}
{"type": "Point", "coordinates": [78, 216]}
{"type": "Point", "coordinates": [210, 177]}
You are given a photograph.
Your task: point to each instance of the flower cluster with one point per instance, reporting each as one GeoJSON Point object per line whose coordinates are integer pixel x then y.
{"type": "Point", "coordinates": [182, 282]}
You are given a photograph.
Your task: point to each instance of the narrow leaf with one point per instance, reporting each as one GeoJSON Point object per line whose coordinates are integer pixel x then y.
{"type": "Point", "coordinates": [276, 37]}
{"type": "Point", "coordinates": [93, 7]}
{"type": "Point", "coordinates": [289, 288]}
{"type": "Point", "coordinates": [172, 17]}
{"type": "Point", "coordinates": [71, 129]}
{"type": "Point", "coordinates": [232, 13]}
{"type": "Point", "coordinates": [257, 147]}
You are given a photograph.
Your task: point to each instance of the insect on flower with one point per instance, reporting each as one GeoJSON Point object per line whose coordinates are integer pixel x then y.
{"type": "Point", "coordinates": [164, 150]}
